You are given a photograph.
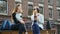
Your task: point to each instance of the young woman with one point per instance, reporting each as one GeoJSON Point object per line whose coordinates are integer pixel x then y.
{"type": "Point", "coordinates": [18, 20]}
{"type": "Point", "coordinates": [37, 21]}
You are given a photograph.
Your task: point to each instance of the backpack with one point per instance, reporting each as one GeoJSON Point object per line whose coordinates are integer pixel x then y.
{"type": "Point", "coordinates": [48, 25]}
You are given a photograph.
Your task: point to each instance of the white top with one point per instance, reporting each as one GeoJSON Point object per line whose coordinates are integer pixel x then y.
{"type": "Point", "coordinates": [19, 16]}
{"type": "Point", "coordinates": [40, 21]}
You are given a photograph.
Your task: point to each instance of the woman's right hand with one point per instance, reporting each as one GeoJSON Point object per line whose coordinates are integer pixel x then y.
{"type": "Point", "coordinates": [21, 21]}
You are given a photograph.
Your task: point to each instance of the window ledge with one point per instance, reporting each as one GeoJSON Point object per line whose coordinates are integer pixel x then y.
{"type": "Point", "coordinates": [3, 14]}
{"type": "Point", "coordinates": [50, 18]}
{"type": "Point", "coordinates": [18, 0]}
{"type": "Point", "coordinates": [58, 19]}
{"type": "Point", "coordinates": [30, 3]}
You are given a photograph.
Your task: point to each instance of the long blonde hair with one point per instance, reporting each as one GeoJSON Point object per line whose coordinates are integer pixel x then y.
{"type": "Point", "coordinates": [14, 11]}
{"type": "Point", "coordinates": [11, 15]}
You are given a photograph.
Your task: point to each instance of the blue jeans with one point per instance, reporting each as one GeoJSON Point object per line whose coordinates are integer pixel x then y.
{"type": "Point", "coordinates": [36, 29]}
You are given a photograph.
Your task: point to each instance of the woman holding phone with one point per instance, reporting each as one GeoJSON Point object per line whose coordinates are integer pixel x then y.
{"type": "Point", "coordinates": [37, 21]}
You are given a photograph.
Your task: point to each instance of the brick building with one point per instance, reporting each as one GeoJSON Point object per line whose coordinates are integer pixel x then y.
{"type": "Point", "coordinates": [49, 8]}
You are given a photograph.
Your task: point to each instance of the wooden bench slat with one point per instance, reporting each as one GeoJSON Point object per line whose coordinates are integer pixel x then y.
{"type": "Point", "coordinates": [29, 32]}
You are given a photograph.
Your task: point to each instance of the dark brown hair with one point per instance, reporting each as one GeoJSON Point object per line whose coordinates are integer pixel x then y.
{"type": "Point", "coordinates": [36, 9]}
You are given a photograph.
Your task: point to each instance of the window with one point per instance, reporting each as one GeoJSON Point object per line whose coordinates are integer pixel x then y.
{"type": "Point", "coordinates": [31, 0]}
{"type": "Point", "coordinates": [41, 10]}
{"type": "Point", "coordinates": [58, 2]}
{"type": "Point", "coordinates": [30, 9]}
{"type": "Point", "coordinates": [3, 7]}
{"type": "Point", "coordinates": [58, 14]}
{"type": "Point", "coordinates": [50, 12]}
{"type": "Point", "coordinates": [50, 2]}
{"type": "Point", "coordinates": [58, 29]}
{"type": "Point", "coordinates": [41, 1]}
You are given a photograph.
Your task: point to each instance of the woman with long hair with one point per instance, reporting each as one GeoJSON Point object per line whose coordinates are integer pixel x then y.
{"type": "Point", "coordinates": [37, 21]}
{"type": "Point", "coordinates": [18, 19]}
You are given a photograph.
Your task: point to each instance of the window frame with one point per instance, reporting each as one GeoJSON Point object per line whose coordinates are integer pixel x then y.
{"type": "Point", "coordinates": [57, 2]}
{"type": "Point", "coordinates": [29, 3]}
{"type": "Point", "coordinates": [52, 14]}
{"type": "Point", "coordinates": [6, 10]}
{"type": "Point", "coordinates": [41, 1]}
{"type": "Point", "coordinates": [58, 13]}
{"type": "Point", "coordinates": [41, 5]}
{"type": "Point", "coordinates": [50, 3]}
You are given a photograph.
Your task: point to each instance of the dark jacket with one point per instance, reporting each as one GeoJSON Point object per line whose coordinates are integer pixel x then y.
{"type": "Point", "coordinates": [48, 25]}
{"type": "Point", "coordinates": [14, 18]}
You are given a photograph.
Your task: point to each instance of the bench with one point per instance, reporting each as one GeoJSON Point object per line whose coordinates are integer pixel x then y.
{"type": "Point", "coordinates": [29, 32]}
